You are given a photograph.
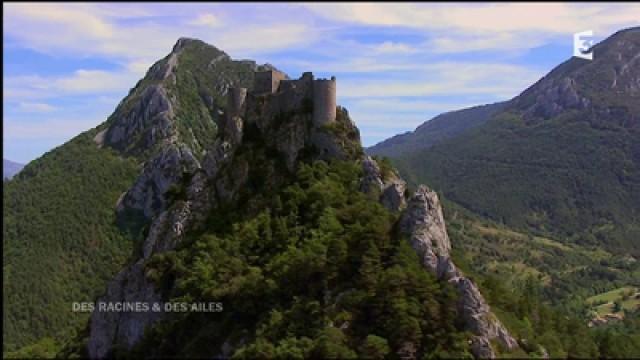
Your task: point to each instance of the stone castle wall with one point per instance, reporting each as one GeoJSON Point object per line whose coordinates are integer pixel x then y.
{"type": "Point", "coordinates": [286, 96]}
{"type": "Point", "coordinates": [267, 81]}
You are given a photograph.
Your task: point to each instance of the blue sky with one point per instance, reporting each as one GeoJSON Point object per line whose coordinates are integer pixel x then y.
{"type": "Point", "coordinates": [66, 66]}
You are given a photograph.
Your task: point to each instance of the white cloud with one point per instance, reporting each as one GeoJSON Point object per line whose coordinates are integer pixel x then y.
{"type": "Point", "coordinates": [499, 41]}
{"type": "Point", "coordinates": [97, 30]}
{"type": "Point", "coordinates": [208, 20]}
{"type": "Point", "coordinates": [95, 81]}
{"type": "Point", "coordinates": [255, 39]}
{"type": "Point", "coordinates": [402, 105]}
{"type": "Point", "coordinates": [74, 17]}
{"type": "Point", "coordinates": [550, 17]}
{"type": "Point", "coordinates": [466, 27]}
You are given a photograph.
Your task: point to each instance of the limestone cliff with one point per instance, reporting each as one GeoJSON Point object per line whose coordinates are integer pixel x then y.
{"type": "Point", "coordinates": [424, 224]}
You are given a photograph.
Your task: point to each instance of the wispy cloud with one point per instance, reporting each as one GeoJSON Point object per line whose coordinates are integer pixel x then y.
{"type": "Point", "coordinates": [95, 29]}
{"type": "Point", "coordinates": [450, 78]}
{"type": "Point", "coordinates": [472, 27]}
{"type": "Point", "coordinates": [35, 107]}
{"type": "Point", "coordinates": [545, 17]}
{"type": "Point", "coordinates": [397, 64]}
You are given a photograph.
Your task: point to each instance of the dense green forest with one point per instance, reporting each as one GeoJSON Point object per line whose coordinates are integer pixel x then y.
{"type": "Point", "coordinates": [59, 221]}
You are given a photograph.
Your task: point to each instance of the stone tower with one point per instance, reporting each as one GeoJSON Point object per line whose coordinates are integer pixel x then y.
{"type": "Point", "coordinates": [324, 101]}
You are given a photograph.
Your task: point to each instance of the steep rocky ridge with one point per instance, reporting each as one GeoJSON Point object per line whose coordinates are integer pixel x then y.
{"type": "Point", "coordinates": [256, 147]}
{"type": "Point", "coordinates": [423, 222]}
{"type": "Point", "coordinates": [155, 136]}
{"type": "Point", "coordinates": [226, 169]}
{"type": "Point", "coordinates": [605, 90]}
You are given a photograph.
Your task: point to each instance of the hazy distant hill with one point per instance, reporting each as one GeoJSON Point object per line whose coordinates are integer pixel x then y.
{"type": "Point", "coordinates": [10, 168]}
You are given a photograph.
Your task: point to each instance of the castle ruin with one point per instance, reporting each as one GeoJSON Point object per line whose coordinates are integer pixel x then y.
{"type": "Point", "coordinates": [286, 95]}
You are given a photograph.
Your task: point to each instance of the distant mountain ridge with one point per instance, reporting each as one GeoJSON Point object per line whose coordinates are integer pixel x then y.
{"type": "Point", "coordinates": [438, 129]}
{"type": "Point", "coordinates": [563, 157]}
{"type": "Point", "coordinates": [10, 168]}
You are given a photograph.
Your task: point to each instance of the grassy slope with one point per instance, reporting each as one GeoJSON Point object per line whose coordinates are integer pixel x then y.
{"type": "Point", "coordinates": [60, 240]}
{"type": "Point", "coordinates": [505, 263]}
{"type": "Point", "coordinates": [628, 296]}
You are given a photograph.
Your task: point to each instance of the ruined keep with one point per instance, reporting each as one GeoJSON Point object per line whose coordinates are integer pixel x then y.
{"type": "Point", "coordinates": [285, 95]}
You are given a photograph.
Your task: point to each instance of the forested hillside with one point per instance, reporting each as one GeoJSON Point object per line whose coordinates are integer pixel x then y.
{"type": "Point", "coordinates": [61, 239]}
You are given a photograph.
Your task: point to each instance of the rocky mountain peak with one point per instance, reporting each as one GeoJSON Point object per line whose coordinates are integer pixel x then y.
{"type": "Point", "coordinates": [183, 42]}
{"type": "Point", "coordinates": [282, 122]}
{"type": "Point", "coordinates": [607, 87]}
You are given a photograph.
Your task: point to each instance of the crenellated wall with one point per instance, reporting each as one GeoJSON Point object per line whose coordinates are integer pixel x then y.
{"type": "Point", "coordinates": [324, 101]}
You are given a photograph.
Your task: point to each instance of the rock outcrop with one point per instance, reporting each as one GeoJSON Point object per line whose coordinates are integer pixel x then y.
{"type": "Point", "coordinates": [423, 222]}
{"type": "Point", "coordinates": [142, 120]}
{"type": "Point", "coordinates": [131, 285]}
{"type": "Point", "coordinates": [167, 168]}
{"type": "Point", "coordinates": [389, 188]}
